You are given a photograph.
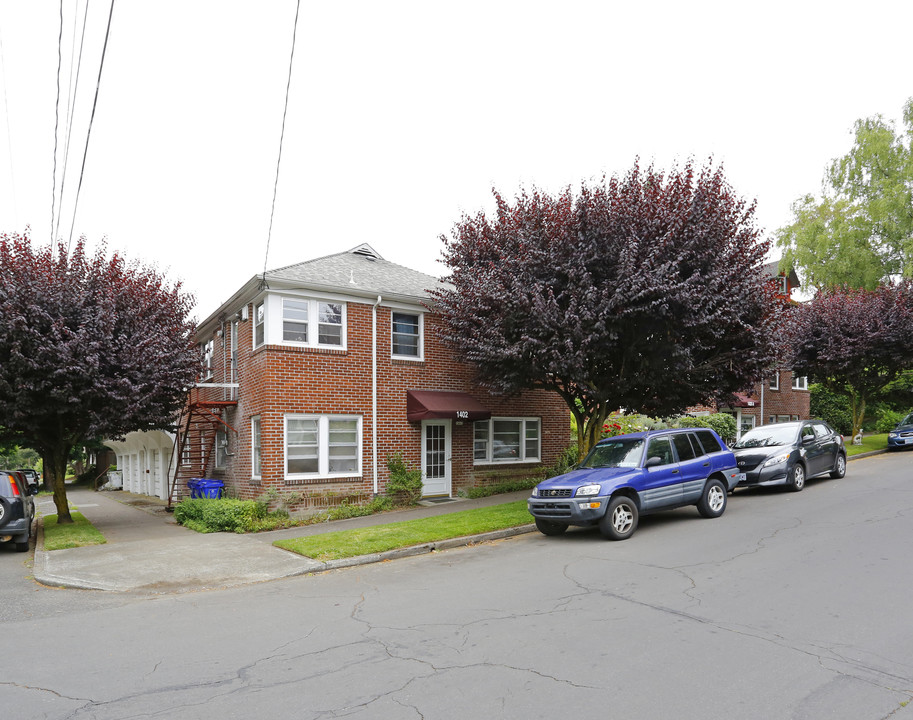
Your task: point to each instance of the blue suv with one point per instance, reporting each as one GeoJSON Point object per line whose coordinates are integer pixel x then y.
{"type": "Point", "coordinates": [627, 476]}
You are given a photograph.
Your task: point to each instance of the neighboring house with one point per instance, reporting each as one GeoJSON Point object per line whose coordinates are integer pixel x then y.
{"type": "Point", "coordinates": [316, 373]}
{"type": "Point", "coordinates": [782, 396]}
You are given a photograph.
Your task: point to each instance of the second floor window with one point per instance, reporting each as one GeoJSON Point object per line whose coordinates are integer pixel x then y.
{"type": "Point", "coordinates": [775, 381]}
{"type": "Point", "coordinates": [259, 324]}
{"type": "Point", "coordinates": [800, 382]}
{"type": "Point", "coordinates": [207, 350]}
{"type": "Point", "coordinates": [295, 320]}
{"type": "Point", "coordinates": [407, 335]}
{"type": "Point", "coordinates": [329, 323]}
{"type": "Point", "coordinates": [306, 321]}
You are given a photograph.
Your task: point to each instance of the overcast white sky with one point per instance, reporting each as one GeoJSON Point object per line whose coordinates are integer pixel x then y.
{"type": "Point", "coordinates": [404, 115]}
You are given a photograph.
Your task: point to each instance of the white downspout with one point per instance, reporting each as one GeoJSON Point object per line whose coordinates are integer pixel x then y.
{"type": "Point", "coordinates": [763, 383]}
{"type": "Point", "coordinates": [374, 388]}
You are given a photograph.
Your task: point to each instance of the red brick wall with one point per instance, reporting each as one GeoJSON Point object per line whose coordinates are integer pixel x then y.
{"type": "Point", "coordinates": [276, 380]}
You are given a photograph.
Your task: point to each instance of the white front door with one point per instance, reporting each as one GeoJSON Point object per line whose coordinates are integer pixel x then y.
{"type": "Point", "coordinates": [435, 457]}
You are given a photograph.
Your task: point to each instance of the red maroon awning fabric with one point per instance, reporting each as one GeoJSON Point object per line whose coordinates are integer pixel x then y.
{"type": "Point", "coordinates": [443, 405]}
{"type": "Point", "coordinates": [743, 400]}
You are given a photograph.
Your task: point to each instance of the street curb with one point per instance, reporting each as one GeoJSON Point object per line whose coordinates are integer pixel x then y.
{"type": "Point", "coordinates": [870, 453]}
{"type": "Point", "coordinates": [414, 550]}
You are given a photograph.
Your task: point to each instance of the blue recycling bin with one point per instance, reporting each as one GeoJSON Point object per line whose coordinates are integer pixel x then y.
{"type": "Point", "coordinates": [194, 486]}
{"type": "Point", "coordinates": [211, 489]}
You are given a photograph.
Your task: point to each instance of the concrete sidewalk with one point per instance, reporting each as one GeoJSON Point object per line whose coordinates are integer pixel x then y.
{"type": "Point", "coordinates": [148, 552]}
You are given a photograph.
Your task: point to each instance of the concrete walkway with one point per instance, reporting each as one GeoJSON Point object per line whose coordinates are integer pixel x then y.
{"type": "Point", "coordinates": [148, 552]}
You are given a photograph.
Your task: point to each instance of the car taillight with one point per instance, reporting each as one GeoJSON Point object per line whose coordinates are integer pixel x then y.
{"type": "Point", "coordinates": [14, 485]}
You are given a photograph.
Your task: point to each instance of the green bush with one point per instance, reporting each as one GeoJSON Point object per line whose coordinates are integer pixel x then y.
{"type": "Point", "coordinates": [404, 486]}
{"type": "Point", "coordinates": [567, 461]}
{"type": "Point", "coordinates": [347, 510]}
{"type": "Point", "coordinates": [887, 420]}
{"type": "Point", "coordinates": [505, 486]}
{"type": "Point", "coordinates": [832, 407]}
{"type": "Point", "coordinates": [723, 424]}
{"type": "Point", "coordinates": [209, 515]}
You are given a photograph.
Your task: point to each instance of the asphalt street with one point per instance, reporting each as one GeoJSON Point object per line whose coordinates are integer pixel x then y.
{"type": "Point", "coordinates": [791, 605]}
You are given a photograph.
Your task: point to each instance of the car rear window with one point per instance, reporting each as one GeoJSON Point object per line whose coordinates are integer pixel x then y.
{"type": "Point", "coordinates": [683, 446]}
{"type": "Point", "coordinates": [5, 489]}
{"type": "Point", "coordinates": [709, 441]}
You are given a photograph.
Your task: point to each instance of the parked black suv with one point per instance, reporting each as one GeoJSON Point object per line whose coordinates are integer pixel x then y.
{"type": "Point", "coordinates": [17, 509]}
{"type": "Point", "coordinates": [789, 453]}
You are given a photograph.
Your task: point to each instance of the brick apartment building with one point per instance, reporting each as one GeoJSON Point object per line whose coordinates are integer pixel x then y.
{"type": "Point", "coordinates": [318, 372]}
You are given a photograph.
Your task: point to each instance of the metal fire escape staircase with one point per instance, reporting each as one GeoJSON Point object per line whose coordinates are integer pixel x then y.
{"type": "Point", "coordinates": [195, 440]}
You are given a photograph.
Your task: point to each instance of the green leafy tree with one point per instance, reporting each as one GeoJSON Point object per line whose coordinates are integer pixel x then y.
{"type": "Point", "coordinates": [859, 232]}
{"type": "Point", "coordinates": [855, 341]}
{"type": "Point", "coordinates": [90, 347]}
{"type": "Point", "coordinates": [641, 292]}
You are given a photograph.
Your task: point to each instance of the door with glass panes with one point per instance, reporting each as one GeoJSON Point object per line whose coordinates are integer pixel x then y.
{"type": "Point", "coordinates": [435, 458]}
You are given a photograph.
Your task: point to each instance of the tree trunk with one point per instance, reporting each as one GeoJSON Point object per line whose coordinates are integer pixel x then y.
{"type": "Point", "coordinates": [858, 407]}
{"type": "Point", "coordinates": [58, 470]}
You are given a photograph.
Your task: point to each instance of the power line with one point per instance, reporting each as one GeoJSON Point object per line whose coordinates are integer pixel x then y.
{"type": "Point", "coordinates": [56, 123]}
{"type": "Point", "coordinates": [288, 85]}
{"type": "Point", "coordinates": [71, 101]}
{"type": "Point", "coordinates": [85, 153]}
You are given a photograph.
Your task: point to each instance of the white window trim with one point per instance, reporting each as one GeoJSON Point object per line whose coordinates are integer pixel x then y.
{"type": "Point", "coordinates": [489, 460]}
{"type": "Point", "coordinates": [800, 382]}
{"type": "Point", "coordinates": [256, 447]}
{"type": "Point", "coordinates": [421, 335]}
{"type": "Point", "coordinates": [207, 350]}
{"type": "Point", "coordinates": [256, 324]}
{"type": "Point", "coordinates": [274, 330]}
{"type": "Point", "coordinates": [782, 284]}
{"type": "Point", "coordinates": [323, 444]}
{"type": "Point", "coordinates": [774, 383]}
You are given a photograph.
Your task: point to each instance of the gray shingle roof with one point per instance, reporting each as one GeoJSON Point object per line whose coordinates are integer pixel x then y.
{"type": "Point", "coordinates": [359, 270]}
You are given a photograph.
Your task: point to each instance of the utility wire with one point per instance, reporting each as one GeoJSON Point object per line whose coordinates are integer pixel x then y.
{"type": "Point", "coordinates": [56, 123]}
{"type": "Point", "coordinates": [288, 85]}
{"type": "Point", "coordinates": [71, 102]}
{"type": "Point", "coordinates": [85, 153]}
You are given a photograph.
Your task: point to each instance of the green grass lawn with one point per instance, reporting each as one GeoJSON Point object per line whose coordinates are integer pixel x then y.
{"type": "Point", "coordinates": [869, 443]}
{"type": "Point", "coordinates": [380, 538]}
{"type": "Point", "coordinates": [79, 534]}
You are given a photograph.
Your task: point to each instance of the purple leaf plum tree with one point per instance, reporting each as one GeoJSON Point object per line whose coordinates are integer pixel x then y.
{"type": "Point", "coordinates": [855, 340]}
{"type": "Point", "coordinates": [641, 292]}
{"type": "Point", "coordinates": [90, 347]}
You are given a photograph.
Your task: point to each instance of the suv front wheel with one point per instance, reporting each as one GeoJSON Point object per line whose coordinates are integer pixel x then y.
{"type": "Point", "coordinates": [620, 519]}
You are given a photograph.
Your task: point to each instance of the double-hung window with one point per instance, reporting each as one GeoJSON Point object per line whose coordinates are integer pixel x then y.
{"type": "Point", "coordinates": [259, 324]}
{"type": "Point", "coordinates": [407, 335]}
{"type": "Point", "coordinates": [506, 440]}
{"type": "Point", "coordinates": [310, 322]}
{"type": "Point", "coordinates": [206, 350]}
{"type": "Point", "coordinates": [322, 445]}
{"type": "Point", "coordinates": [221, 449]}
{"type": "Point", "coordinates": [294, 320]}
{"type": "Point", "coordinates": [329, 324]}
{"type": "Point", "coordinates": [255, 448]}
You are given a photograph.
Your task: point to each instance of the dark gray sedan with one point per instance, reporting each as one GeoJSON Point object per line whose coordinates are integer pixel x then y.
{"type": "Point", "coordinates": [789, 453]}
